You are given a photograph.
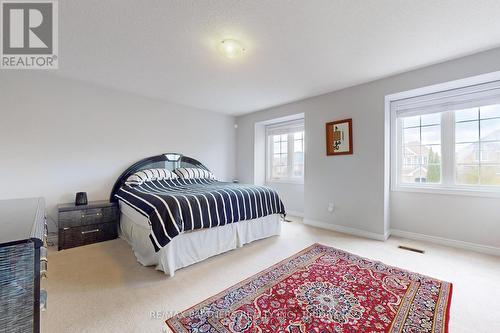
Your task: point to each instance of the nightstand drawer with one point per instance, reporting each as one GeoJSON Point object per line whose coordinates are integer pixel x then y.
{"type": "Point", "coordinates": [87, 217]}
{"type": "Point", "coordinates": [77, 236]}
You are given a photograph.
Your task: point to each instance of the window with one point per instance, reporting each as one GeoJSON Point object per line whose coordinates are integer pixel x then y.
{"type": "Point", "coordinates": [477, 145]}
{"type": "Point", "coordinates": [285, 153]}
{"type": "Point", "coordinates": [421, 149]}
{"type": "Point", "coordinates": [448, 140]}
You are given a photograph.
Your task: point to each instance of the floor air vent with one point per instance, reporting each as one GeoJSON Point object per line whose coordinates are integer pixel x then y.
{"type": "Point", "coordinates": [410, 249]}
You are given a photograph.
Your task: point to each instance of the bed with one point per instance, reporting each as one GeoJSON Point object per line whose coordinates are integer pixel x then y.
{"type": "Point", "coordinates": [174, 212]}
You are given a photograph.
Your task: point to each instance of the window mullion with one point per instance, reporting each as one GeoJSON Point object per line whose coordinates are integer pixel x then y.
{"type": "Point", "coordinates": [448, 148]}
{"type": "Point", "coordinates": [270, 156]}
{"type": "Point", "coordinates": [479, 144]}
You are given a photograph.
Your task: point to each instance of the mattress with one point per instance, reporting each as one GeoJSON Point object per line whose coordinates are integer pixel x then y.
{"type": "Point", "coordinates": [137, 218]}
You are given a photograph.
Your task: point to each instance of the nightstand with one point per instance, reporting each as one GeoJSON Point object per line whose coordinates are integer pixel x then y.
{"type": "Point", "coordinates": [88, 224]}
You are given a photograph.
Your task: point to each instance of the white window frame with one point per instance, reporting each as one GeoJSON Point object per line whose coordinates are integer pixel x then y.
{"type": "Point", "coordinates": [288, 127]}
{"type": "Point", "coordinates": [447, 185]}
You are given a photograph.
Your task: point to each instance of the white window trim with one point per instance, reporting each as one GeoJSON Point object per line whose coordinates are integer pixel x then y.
{"type": "Point", "coordinates": [286, 127]}
{"type": "Point", "coordinates": [447, 161]}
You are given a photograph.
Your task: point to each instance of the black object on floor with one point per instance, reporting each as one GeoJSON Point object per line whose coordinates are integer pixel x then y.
{"type": "Point", "coordinates": [410, 249]}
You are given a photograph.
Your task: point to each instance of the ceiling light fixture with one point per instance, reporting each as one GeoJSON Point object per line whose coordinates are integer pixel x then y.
{"type": "Point", "coordinates": [230, 48]}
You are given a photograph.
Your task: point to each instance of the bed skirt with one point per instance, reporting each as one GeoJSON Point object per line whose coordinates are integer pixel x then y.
{"type": "Point", "coordinates": [194, 246]}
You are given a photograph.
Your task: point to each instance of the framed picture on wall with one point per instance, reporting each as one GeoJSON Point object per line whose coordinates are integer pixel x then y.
{"type": "Point", "coordinates": [339, 137]}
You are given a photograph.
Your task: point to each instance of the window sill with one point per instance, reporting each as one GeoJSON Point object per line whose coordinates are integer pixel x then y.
{"type": "Point", "coordinates": [458, 190]}
{"type": "Point", "coordinates": [285, 181]}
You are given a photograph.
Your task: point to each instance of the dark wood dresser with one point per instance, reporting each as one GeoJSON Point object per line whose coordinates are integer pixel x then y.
{"type": "Point", "coordinates": [88, 224]}
{"type": "Point", "coordinates": [23, 263]}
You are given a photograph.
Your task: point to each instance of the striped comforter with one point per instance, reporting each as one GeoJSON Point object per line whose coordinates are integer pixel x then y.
{"type": "Point", "coordinates": [179, 205]}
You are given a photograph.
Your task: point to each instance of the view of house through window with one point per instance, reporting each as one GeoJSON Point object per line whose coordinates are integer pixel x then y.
{"type": "Point", "coordinates": [280, 156]}
{"type": "Point", "coordinates": [469, 137]}
{"type": "Point", "coordinates": [421, 149]}
{"type": "Point", "coordinates": [285, 152]}
{"type": "Point", "coordinates": [477, 145]}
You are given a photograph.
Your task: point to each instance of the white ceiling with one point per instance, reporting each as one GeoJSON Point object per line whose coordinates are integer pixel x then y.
{"type": "Point", "coordinates": [295, 48]}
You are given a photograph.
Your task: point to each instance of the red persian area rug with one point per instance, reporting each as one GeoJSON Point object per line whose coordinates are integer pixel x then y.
{"type": "Point", "coordinates": [321, 290]}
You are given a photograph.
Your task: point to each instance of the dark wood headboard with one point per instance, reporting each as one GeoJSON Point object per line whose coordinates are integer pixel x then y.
{"type": "Point", "coordinates": [168, 161]}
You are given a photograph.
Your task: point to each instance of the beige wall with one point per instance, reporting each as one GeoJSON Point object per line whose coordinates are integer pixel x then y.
{"type": "Point", "coordinates": [60, 136]}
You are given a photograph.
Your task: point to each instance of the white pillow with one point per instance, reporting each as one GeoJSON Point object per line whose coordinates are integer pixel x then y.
{"type": "Point", "coordinates": [148, 175]}
{"type": "Point", "coordinates": [193, 173]}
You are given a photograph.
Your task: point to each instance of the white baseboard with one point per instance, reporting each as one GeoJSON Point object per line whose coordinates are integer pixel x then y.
{"type": "Point", "coordinates": [447, 242]}
{"type": "Point", "coordinates": [346, 230]}
{"type": "Point", "coordinates": [294, 213]}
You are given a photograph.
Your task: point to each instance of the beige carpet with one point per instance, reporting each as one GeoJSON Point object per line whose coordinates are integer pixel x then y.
{"type": "Point", "coordinates": [101, 287]}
